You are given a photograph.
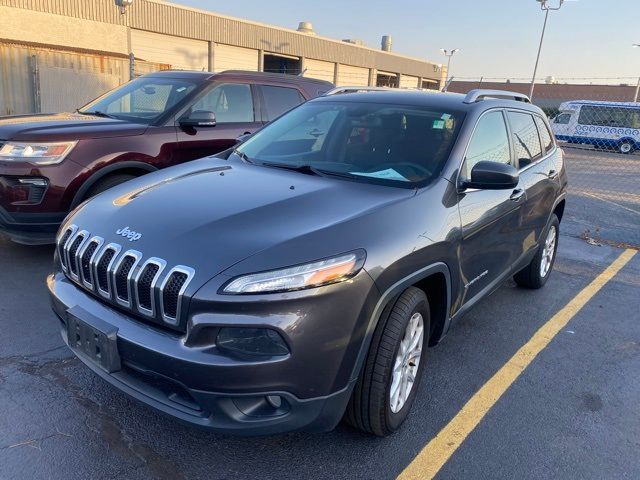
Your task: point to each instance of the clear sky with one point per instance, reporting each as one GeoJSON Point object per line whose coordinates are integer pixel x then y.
{"type": "Point", "coordinates": [497, 38]}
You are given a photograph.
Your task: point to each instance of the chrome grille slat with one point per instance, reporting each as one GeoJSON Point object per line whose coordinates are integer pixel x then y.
{"type": "Point", "coordinates": [127, 265]}
{"type": "Point", "coordinates": [103, 267]}
{"type": "Point", "coordinates": [123, 277]}
{"type": "Point", "coordinates": [62, 243]}
{"type": "Point", "coordinates": [166, 308]}
{"type": "Point", "coordinates": [86, 261]}
{"type": "Point", "coordinates": [142, 289]}
{"type": "Point", "coordinates": [73, 246]}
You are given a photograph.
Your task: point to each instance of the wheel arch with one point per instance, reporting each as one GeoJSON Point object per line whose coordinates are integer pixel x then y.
{"type": "Point", "coordinates": [558, 209]}
{"type": "Point", "coordinates": [128, 167]}
{"type": "Point", "coordinates": [436, 276]}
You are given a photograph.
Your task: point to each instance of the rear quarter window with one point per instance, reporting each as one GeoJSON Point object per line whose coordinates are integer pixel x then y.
{"type": "Point", "coordinates": [545, 134]}
{"type": "Point", "coordinates": [278, 100]}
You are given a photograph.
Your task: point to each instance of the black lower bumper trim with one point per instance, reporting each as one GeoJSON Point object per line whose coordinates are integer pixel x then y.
{"type": "Point", "coordinates": [30, 228]}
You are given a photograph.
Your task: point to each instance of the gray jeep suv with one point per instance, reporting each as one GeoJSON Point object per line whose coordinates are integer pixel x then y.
{"type": "Point", "coordinates": [298, 278]}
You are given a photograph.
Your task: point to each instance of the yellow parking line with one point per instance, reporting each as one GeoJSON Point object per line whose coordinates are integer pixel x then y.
{"type": "Point", "coordinates": [438, 451]}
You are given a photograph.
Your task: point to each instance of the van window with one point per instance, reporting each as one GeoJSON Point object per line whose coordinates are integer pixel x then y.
{"type": "Point", "coordinates": [231, 103]}
{"type": "Point", "coordinates": [278, 100]}
{"type": "Point", "coordinates": [545, 134]}
{"type": "Point", "coordinates": [525, 138]}
{"type": "Point", "coordinates": [490, 142]}
{"type": "Point", "coordinates": [609, 116]}
{"type": "Point", "coordinates": [562, 119]}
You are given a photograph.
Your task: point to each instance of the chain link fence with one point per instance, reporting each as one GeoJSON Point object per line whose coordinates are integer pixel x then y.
{"type": "Point", "coordinates": [41, 80]}
{"type": "Point", "coordinates": [597, 123]}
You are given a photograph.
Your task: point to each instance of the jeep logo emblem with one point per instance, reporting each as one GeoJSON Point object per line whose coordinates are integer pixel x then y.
{"type": "Point", "coordinates": [130, 234]}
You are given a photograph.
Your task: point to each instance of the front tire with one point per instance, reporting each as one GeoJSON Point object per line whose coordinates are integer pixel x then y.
{"type": "Point", "coordinates": [536, 274]}
{"type": "Point", "coordinates": [389, 381]}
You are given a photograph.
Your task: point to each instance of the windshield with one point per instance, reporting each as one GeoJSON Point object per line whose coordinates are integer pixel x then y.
{"type": "Point", "coordinates": [142, 100]}
{"type": "Point", "coordinates": [396, 145]}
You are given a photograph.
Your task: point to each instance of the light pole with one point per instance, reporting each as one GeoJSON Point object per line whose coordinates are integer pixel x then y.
{"type": "Point", "coordinates": [449, 54]}
{"type": "Point", "coordinates": [544, 5]}
{"type": "Point", "coordinates": [123, 5]}
{"type": "Point", "coordinates": [635, 97]}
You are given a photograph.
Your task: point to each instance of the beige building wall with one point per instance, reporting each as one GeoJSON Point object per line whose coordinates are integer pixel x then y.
{"type": "Point", "coordinates": [180, 53]}
{"type": "Point", "coordinates": [349, 75]}
{"type": "Point", "coordinates": [229, 57]}
{"type": "Point", "coordinates": [319, 69]}
{"type": "Point", "coordinates": [24, 25]}
{"type": "Point", "coordinates": [407, 81]}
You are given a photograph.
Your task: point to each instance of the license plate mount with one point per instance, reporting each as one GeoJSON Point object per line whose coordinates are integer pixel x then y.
{"type": "Point", "coordinates": [94, 339]}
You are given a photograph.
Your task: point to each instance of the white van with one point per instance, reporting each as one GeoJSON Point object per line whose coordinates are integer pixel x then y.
{"type": "Point", "coordinates": [602, 124]}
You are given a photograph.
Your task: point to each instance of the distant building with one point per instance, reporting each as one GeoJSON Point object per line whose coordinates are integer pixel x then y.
{"type": "Point", "coordinates": [549, 96]}
{"type": "Point", "coordinates": [174, 36]}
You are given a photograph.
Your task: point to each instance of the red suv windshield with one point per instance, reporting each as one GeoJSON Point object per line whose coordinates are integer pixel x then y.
{"type": "Point", "coordinates": [141, 100]}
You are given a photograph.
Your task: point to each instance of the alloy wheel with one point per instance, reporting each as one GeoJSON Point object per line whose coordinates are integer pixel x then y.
{"type": "Point", "coordinates": [406, 364]}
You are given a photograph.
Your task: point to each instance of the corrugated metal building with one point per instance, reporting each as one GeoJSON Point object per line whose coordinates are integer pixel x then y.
{"type": "Point", "coordinates": [186, 38]}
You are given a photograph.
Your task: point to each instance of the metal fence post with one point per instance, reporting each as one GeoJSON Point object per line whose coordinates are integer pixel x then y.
{"type": "Point", "coordinates": [36, 83]}
{"type": "Point", "coordinates": [132, 66]}
{"type": "Point", "coordinates": [635, 97]}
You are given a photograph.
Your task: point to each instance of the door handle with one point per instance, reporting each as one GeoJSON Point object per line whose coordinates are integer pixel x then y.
{"type": "Point", "coordinates": [552, 174]}
{"type": "Point", "coordinates": [517, 195]}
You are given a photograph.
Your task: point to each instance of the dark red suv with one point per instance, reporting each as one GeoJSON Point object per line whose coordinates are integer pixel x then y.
{"type": "Point", "coordinates": [50, 163]}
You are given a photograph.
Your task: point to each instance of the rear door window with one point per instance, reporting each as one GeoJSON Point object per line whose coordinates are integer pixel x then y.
{"type": "Point", "coordinates": [278, 100]}
{"type": "Point", "coordinates": [525, 138]}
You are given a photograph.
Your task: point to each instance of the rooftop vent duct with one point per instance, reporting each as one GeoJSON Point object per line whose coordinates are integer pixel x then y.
{"type": "Point", "coordinates": [354, 41]}
{"type": "Point", "coordinates": [386, 43]}
{"type": "Point", "coordinates": [306, 27]}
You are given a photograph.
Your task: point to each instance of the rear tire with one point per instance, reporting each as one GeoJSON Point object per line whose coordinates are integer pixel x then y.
{"type": "Point", "coordinates": [375, 405]}
{"type": "Point", "coordinates": [108, 182]}
{"type": "Point", "coordinates": [536, 274]}
{"type": "Point", "coordinates": [626, 147]}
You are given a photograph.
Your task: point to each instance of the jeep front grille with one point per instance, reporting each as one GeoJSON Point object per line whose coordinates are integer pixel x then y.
{"type": "Point", "coordinates": [124, 278]}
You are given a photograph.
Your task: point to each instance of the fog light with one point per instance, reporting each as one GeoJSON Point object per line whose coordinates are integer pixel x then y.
{"type": "Point", "coordinates": [25, 191]}
{"type": "Point", "coordinates": [253, 341]}
{"type": "Point", "coordinates": [274, 400]}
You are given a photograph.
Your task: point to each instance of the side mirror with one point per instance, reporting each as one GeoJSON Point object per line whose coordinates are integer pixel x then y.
{"type": "Point", "coordinates": [243, 138]}
{"type": "Point", "coordinates": [492, 176]}
{"type": "Point", "coordinates": [199, 118]}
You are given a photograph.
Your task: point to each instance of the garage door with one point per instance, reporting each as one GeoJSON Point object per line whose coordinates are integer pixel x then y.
{"type": "Point", "coordinates": [228, 57]}
{"type": "Point", "coordinates": [356, 76]}
{"type": "Point", "coordinates": [180, 53]}
{"type": "Point", "coordinates": [407, 81]}
{"type": "Point", "coordinates": [319, 69]}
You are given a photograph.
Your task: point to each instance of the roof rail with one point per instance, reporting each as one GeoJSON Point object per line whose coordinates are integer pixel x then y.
{"type": "Point", "coordinates": [339, 90]}
{"type": "Point", "coordinates": [480, 94]}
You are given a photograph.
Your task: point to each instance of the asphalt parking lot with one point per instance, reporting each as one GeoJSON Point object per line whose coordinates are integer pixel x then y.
{"type": "Point", "coordinates": [571, 413]}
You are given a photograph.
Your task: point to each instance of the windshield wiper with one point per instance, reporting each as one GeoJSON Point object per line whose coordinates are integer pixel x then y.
{"type": "Point", "coordinates": [243, 156]}
{"type": "Point", "coordinates": [96, 113]}
{"type": "Point", "coordinates": [309, 170]}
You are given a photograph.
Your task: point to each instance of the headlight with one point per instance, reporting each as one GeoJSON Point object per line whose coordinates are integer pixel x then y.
{"type": "Point", "coordinates": [322, 272]}
{"type": "Point", "coordinates": [36, 153]}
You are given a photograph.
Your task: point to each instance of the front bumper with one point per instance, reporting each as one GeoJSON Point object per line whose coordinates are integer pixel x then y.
{"type": "Point", "coordinates": [30, 228]}
{"type": "Point", "coordinates": [203, 388]}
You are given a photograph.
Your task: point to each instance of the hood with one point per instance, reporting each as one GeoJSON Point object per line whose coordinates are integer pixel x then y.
{"type": "Point", "coordinates": [210, 214]}
{"type": "Point", "coordinates": [64, 126]}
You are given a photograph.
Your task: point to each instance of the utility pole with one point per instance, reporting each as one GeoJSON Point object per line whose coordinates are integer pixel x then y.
{"type": "Point", "coordinates": [635, 97]}
{"type": "Point", "coordinates": [544, 6]}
